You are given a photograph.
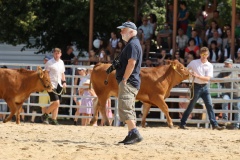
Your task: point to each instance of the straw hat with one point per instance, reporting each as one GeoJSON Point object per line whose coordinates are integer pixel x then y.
{"type": "Point", "coordinates": [87, 82]}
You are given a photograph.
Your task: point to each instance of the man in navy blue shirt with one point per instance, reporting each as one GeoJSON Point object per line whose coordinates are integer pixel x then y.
{"type": "Point", "coordinates": [128, 77]}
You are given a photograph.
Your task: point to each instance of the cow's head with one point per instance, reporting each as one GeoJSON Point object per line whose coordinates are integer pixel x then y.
{"type": "Point", "coordinates": [179, 69]}
{"type": "Point", "coordinates": [44, 78]}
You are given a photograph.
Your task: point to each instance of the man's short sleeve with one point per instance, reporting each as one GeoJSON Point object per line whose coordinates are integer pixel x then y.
{"type": "Point", "coordinates": [132, 52]}
{"type": "Point", "coordinates": [47, 66]}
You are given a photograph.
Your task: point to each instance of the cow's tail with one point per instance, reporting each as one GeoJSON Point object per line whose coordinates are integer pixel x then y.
{"type": "Point", "coordinates": [90, 84]}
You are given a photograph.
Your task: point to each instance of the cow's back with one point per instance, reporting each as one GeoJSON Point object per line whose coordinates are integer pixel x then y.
{"type": "Point", "coordinates": [152, 82]}
{"type": "Point", "coordinates": [15, 81]}
{"type": "Point", "coordinates": [98, 77]}
{"type": "Point", "coordinates": [9, 80]}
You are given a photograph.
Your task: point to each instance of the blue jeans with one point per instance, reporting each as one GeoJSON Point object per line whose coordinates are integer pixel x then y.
{"type": "Point", "coordinates": [236, 106]}
{"type": "Point", "coordinates": [68, 71]}
{"type": "Point", "coordinates": [203, 92]}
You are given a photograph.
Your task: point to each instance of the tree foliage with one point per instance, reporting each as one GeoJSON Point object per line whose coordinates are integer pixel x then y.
{"type": "Point", "coordinates": [58, 23]}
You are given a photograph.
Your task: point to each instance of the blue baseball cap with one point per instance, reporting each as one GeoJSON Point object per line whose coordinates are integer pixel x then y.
{"type": "Point", "coordinates": [47, 57]}
{"type": "Point", "coordinates": [128, 25]}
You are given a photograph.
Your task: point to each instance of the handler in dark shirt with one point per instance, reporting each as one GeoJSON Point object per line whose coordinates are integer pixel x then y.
{"type": "Point", "coordinates": [128, 77]}
{"type": "Point", "coordinates": [67, 58]}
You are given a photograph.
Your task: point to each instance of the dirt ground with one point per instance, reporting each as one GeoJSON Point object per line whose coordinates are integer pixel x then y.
{"type": "Point", "coordinates": [67, 142]}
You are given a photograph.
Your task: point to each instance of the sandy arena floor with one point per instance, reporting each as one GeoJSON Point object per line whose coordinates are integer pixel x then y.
{"type": "Point", "coordinates": [68, 142]}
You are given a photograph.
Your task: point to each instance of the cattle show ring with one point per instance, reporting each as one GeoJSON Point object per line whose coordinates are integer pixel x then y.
{"type": "Point", "coordinates": [162, 138]}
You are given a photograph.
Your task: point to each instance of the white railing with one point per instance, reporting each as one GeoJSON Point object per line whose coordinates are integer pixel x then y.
{"type": "Point", "coordinates": [162, 118]}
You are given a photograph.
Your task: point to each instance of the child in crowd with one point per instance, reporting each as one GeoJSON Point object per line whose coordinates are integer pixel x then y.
{"type": "Point", "coordinates": [86, 102]}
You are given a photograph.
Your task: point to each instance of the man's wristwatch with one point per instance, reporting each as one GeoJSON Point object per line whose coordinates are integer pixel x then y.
{"type": "Point", "coordinates": [124, 79]}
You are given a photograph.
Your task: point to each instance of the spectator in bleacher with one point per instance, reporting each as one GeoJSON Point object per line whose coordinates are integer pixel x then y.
{"type": "Point", "coordinates": [148, 63]}
{"type": "Point", "coordinates": [153, 23]}
{"type": "Point", "coordinates": [227, 45]}
{"type": "Point", "coordinates": [192, 47]}
{"type": "Point", "coordinates": [197, 38]}
{"type": "Point", "coordinates": [191, 56]}
{"type": "Point", "coordinates": [103, 56]}
{"type": "Point", "coordinates": [183, 16]}
{"type": "Point", "coordinates": [227, 40]}
{"type": "Point", "coordinates": [237, 27]}
{"type": "Point", "coordinates": [200, 22]}
{"type": "Point", "coordinates": [215, 54]}
{"type": "Point", "coordinates": [148, 34]}
{"type": "Point", "coordinates": [225, 28]}
{"type": "Point", "coordinates": [217, 19]}
{"type": "Point", "coordinates": [93, 59]}
{"type": "Point", "coordinates": [213, 28]}
{"type": "Point", "coordinates": [68, 57]}
{"type": "Point", "coordinates": [164, 37]}
{"type": "Point", "coordinates": [140, 35]}
{"type": "Point", "coordinates": [228, 63]}
{"type": "Point", "coordinates": [170, 16]}
{"type": "Point", "coordinates": [119, 48]}
{"type": "Point", "coordinates": [163, 56]}
{"type": "Point", "coordinates": [177, 57]}
{"type": "Point", "coordinates": [217, 38]}
{"type": "Point", "coordinates": [237, 59]}
{"type": "Point", "coordinates": [112, 45]}
{"type": "Point", "coordinates": [159, 61]}
{"type": "Point", "coordinates": [181, 42]}
{"type": "Point", "coordinates": [139, 20]}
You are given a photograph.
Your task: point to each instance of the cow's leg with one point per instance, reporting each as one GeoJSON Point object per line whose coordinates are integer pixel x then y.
{"type": "Point", "coordinates": [101, 106]}
{"type": "Point", "coordinates": [95, 112]}
{"type": "Point", "coordinates": [103, 103]}
{"type": "Point", "coordinates": [19, 109]}
{"type": "Point", "coordinates": [164, 107]}
{"type": "Point", "coordinates": [146, 108]}
{"type": "Point", "coordinates": [104, 115]}
{"type": "Point", "coordinates": [13, 107]}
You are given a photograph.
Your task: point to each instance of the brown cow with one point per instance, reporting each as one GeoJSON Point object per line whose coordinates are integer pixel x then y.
{"type": "Point", "coordinates": [156, 83]}
{"type": "Point", "coordinates": [18, 84]}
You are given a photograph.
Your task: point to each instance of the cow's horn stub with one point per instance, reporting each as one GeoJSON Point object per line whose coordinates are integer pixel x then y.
{"type": "Point", "coordinates": [40, 71]}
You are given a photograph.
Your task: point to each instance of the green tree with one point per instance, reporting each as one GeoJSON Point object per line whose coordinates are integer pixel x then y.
{"type": "Point", "coordinates": [58, 23]}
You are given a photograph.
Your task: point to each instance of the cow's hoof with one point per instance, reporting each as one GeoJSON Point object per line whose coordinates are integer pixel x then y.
{"type": "Point", "coordinates": [144, 124]}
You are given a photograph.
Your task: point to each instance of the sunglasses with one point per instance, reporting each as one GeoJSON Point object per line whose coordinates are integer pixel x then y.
{"type": "Point", "coordinates": [204, 54]}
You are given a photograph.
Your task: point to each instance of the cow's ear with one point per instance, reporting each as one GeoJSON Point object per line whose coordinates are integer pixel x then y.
{"type": "Point", "coordinates": [168, 61]}
{"type": "Point", "coordinates": [39, 68]}
{"type": "Point", "coordinates": [40, 71]}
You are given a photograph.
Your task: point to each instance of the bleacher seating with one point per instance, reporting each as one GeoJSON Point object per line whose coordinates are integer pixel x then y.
{"type": "Point", "coordinates": [13, 54]}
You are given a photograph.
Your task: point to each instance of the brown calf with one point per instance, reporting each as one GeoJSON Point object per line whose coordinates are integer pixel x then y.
{"type": "Point", "coordinates": [156, 83]}
{"type": "Point", "coordinates": [18, 84]}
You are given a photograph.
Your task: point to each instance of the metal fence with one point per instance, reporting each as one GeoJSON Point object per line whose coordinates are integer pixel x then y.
{"type": "Point", "coordinates": [71, 106]}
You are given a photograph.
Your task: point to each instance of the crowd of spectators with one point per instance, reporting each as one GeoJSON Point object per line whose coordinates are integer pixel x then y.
{"type": "Point", "coordinates": [209, 30]}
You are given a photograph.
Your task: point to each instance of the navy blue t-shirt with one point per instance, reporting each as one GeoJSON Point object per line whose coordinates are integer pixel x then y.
{"type": "Point", "coordinates": [132, 50]}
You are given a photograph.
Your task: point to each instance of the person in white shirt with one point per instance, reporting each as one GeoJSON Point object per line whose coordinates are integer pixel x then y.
{"type": "Point", "coordinates": [56, 69]}
{"type": "Point", "coordinates": [202, 70]}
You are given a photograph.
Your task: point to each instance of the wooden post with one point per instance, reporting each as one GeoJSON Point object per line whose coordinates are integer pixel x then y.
{"type": "Point", "coordinates": [233, 29]}
{"type": "Point", "coordinates": [91, 17]}
{"type": "Point", "coordinates": [135, 10]}
{"type": "Point", "coordinates": [175, 9]}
